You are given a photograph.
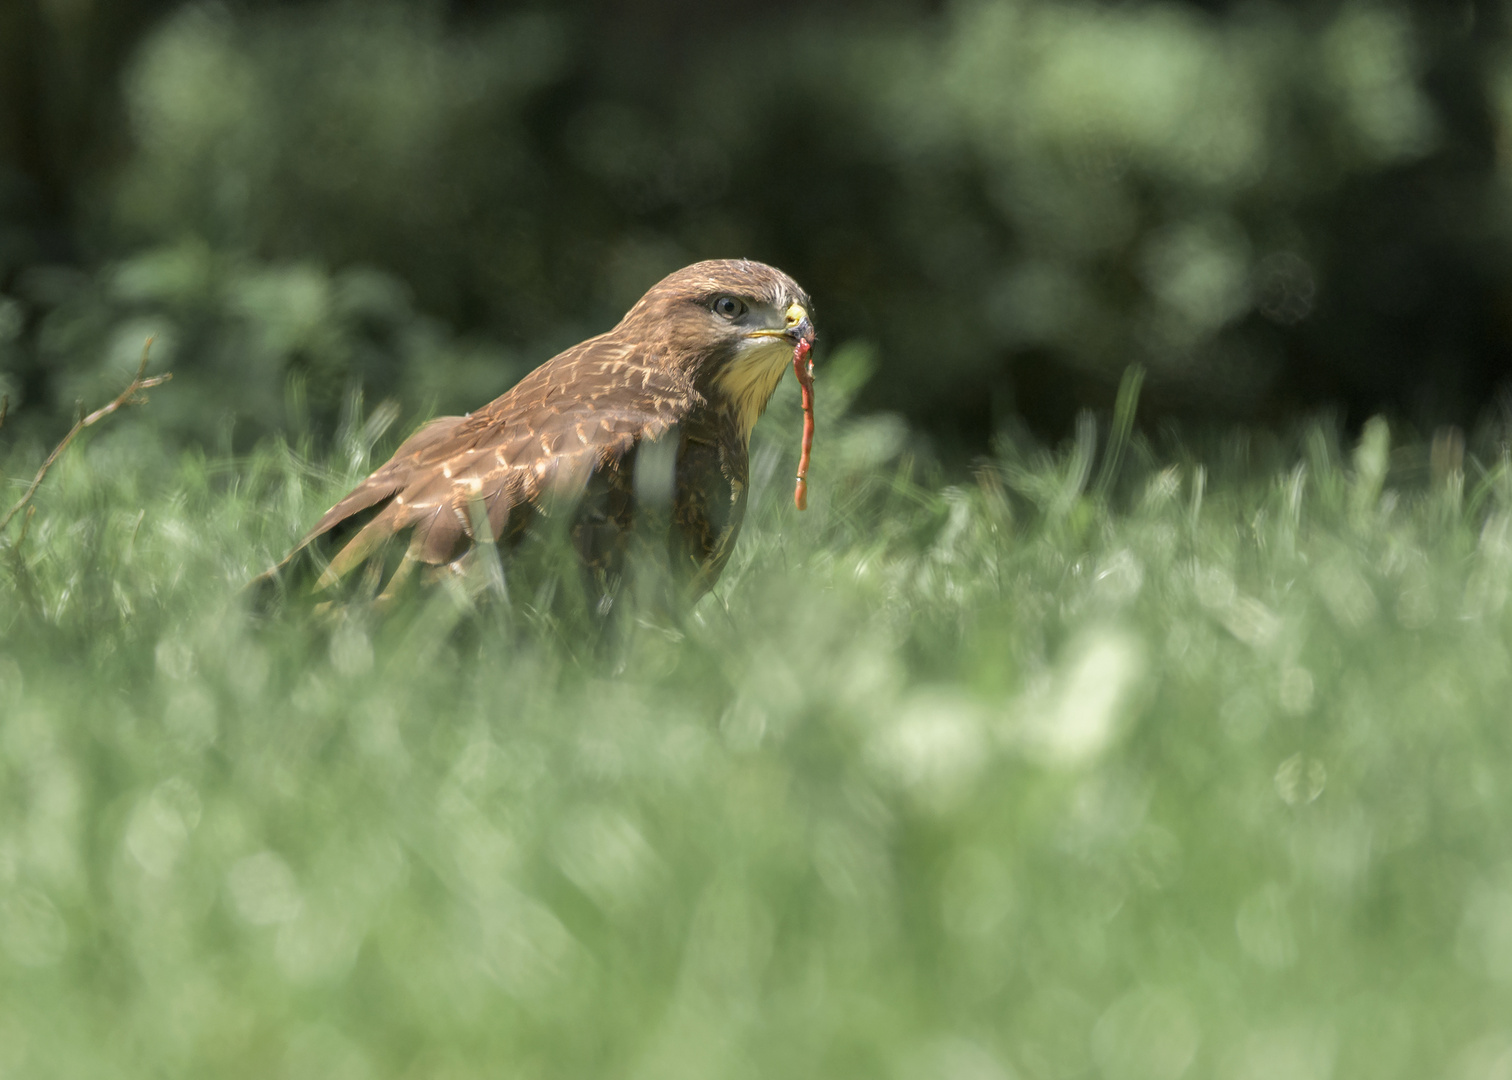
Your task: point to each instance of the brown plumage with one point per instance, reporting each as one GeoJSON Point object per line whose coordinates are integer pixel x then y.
{"type": "Point", "coordinates": [692, 364]}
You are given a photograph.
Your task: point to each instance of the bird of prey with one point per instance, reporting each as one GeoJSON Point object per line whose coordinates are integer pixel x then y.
{"type": "Point", "coordinates": [675, 388]}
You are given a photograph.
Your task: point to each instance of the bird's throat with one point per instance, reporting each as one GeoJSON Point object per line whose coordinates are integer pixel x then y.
{"type": "Point", "coordinates": [748, 381]}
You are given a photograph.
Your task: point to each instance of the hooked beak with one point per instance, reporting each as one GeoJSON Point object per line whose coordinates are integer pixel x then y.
{"type": "Point", "coordinates": [797, 326]}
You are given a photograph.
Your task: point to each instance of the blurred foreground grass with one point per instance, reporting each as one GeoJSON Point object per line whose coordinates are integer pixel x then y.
{"type": "Point", "coordinates": [1197, 765]}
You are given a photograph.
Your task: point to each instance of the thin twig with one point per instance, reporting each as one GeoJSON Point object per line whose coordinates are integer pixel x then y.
{"type": "Point", "coordinates": [128, 396]}
{"type": "Point", "coordinates": [4, 408]}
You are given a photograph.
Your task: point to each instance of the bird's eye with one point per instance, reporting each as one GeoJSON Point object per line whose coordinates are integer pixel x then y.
{"type": "Point", "coordinates": [730, 307]}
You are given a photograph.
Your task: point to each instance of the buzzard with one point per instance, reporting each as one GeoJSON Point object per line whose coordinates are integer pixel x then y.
{"type": "Point", "coordinates": [638, 436]}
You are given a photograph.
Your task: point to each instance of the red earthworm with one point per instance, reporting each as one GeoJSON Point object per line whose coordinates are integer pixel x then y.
{"type": "Point", "coordinates": [804, 369]}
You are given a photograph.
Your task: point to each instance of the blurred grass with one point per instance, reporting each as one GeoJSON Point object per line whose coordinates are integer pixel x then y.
{"type": "Point", "coordinates": [1195, 765]}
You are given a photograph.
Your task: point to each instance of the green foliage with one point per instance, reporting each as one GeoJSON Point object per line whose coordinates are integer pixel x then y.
{"type": "Point", "coordinates": [1262, 205]}
{"type": "Point", "coordinates": [1198, 770]}
{"type": "Point", "coordinates": [1153, 169]}
{"type": "Point", "coordinates": [257, 346]}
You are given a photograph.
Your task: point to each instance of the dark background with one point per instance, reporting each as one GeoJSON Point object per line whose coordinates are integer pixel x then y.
{"type": "Point", "coordinates": [1274, 208]}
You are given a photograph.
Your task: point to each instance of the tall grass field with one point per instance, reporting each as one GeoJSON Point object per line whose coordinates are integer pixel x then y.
{"type": "Point", "coordinates": [1135, 760]}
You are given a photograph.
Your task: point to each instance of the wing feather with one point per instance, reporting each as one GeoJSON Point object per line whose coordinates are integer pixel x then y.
{"type": "Point", "coordinates": [414, 453]}
{"type": "Point", "coordinates": [579, 412]}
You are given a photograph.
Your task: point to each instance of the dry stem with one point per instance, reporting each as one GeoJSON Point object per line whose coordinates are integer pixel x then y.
{"type": "Point", "coordinates": [129, 396]}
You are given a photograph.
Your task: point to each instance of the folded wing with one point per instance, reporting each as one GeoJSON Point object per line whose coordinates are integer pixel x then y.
{"type": "Point", "coordinates": [576, 414]}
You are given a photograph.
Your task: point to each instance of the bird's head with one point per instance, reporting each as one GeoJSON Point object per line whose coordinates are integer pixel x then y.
{"type": "Point", "coordinates": [733, 325]}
